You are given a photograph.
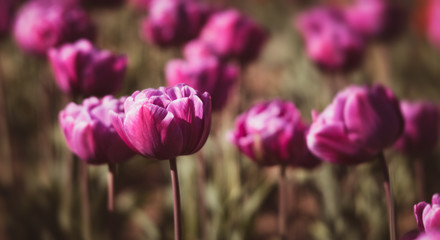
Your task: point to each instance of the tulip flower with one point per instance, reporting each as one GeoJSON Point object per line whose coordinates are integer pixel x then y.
{"type": "Point", "coordinates": [422, 125]}
{"type": "Point", "coordinates": [206, 75]}
{"type": "Point", "coordinates": [232, 35]}
{"type": "Point", "coordinates": [378, 19]}
{"type": "Point", "coordinates": [173, 22]}
{"type": "Point", "coordinates": [330, 42]}
{"type": "Point", "coordinates": [359, 123]}
{"type": "Point", "coordinates": [428, 215]}
{"type": "Point", "coordinates": [41, 25]}
{"type": "Point", "coordinates": [5, 15]}
{"type": "Point", "coordinates": [81, 69]}
{"type": "Point", "coordinates": [89, 132]}
{"type": "Point", "coordinates": [197, 49]}
{"type": "Point", "coordinates": [165, 123]}
{"type": "Point", "coordinates": [433, 22]}
{"type": "Point", "coordinates": [429, 236]}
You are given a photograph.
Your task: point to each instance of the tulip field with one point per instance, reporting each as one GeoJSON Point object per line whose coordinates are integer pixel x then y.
{"type": "Point", "coordinates": [219, 119]}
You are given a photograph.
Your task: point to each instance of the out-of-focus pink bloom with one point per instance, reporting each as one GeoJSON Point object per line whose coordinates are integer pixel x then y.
{"type": "Point", "coordinates": [81, 69]}
{"type": "Point", "coordinates": [174, 22]}
{"type": "Point", "coordinates": [428, 215]}
{"type": "Point", "coordinates": [41, 25]}
{"type": "Point", "coordinates": [433, 23]}
{"type": "Point", "coordinates": [5, 15]}
{"type": "Point", "coordinates": [429, 236]}
{"type": "Point", "coordinates": [232, 35]}
{"type": "Point", "coordinates": [198, 49]}
{"type": "Point", "coordinates": [89, 132]}
{"type": "Point", "coordinates": [330, 42]}
{"type": "Point", "coordinates": [206, 75]}
{"type": "Point", "coordinates": [273, 133]}
{"type": "Point", "coordinates": [166, 122]}
{"type": "Point", "coordinates": [376, 18]}
{"type": "Point", "coordinates": [359, 123]}
{"type": "Point", "coordinates": [422, 125]}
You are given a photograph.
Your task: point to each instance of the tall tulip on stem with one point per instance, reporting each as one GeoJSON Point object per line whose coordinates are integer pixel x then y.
{"type": "Point", "coordinates": [164, 123]}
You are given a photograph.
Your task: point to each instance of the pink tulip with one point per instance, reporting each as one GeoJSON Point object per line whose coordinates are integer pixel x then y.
{"type": "Point", "coordinates": [422, 125]}
{"type": "Point", "coordinates": [173, 22]}
{"type": "Point", "coordinates": [429, 236]}
{"type": "Point", "coordinates": [376, 18]}
{"type": "Point", "coordinates": [273, 133]}
{"type": "Point", "coordinates": [166, 122]}
{"type": "Point", "coordinates": [330, 42]}
{"type": "Point", "coordinates": [89, 132]}
{"type": "Point", "coordinates": [198, 49]}
{"type": "Point", "coordinates": [41, 25]}
{"type": "Point", "coordinates": [206, 75]}
{"type": "Point", "coordinates": [428, 215]}
{"type": "Point", "coordinates": [359, 123]}
{"type": "Point", "coordinates": [232, 35]}
{"type": "Point", "coordinates": [81, 69]}
{"type": "Point", "coordinates": [433, 23]}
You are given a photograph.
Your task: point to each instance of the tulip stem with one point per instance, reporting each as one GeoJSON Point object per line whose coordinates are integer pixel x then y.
{"type": "Point", "coordinates": [176, 200]}
{"type": "Point", "coordinates": [201, 183]}
{"type": "Point", "coordinates": [389, 197]}
{"type": "Point", "coordinates": [85, 204]}
{"type": "Point", "coordinates": [282, 210]}
{"type": "Point", "coordinates": [420, 179]}
{"type": "Point", "coordinates": [110, 202]}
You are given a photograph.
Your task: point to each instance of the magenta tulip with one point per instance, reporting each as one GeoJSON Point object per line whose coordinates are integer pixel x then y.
{"type": "Point", "coordinates": [428, 215]}
{"type": "Point", "coordinates": [433, 22]}
{"type": "Point", "coordinates": [206, 75]}
{"type": "Point", "coordinates": [81, 69]}
{"type": "Point", "coordinates": [173, 22]}
{"type": "Point", "coordinates": [89, 132]}
{"type": "Point", "coordinates": [429, 236]}
{"type": "Point", "coordinates": [41, 25]}
{"type": "Point", "coordinates": [273, 133]}
{"type": "Point", "coordinates": [166, 122]}
{"type": "Point", "coordinates": [197, 49]}
{"type": "Point", "coordinates": [376, 18]}
{"type": "Point", "coordinates": [330, 42]}
{"type": "Point", "coordinates": [359, 123]}
{"type": "Point", "coordinates": [422, 125]}
{"type": "Point", "coordinates": [232, 35]}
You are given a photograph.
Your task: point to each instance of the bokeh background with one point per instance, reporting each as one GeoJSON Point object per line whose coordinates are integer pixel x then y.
{"type": "Point", "coordinates": [39, 193]}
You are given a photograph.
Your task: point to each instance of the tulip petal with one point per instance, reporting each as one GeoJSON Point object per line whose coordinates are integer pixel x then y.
{"type": "Point", "coordinates": [418, 212]}
{"type": "Point", "coordinates": [118, 125]}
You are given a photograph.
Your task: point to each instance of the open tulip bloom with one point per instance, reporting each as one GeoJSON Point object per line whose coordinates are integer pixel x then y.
{"type": "Point", "coordinates": [356, 127]}
{"type": "Point", "coordinates": [165, 123]}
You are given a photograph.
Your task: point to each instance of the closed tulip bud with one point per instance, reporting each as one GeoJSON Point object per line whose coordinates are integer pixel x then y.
{"type": "Point", "coordinates": [377, 19]}
{"type": "Point", "coordinates": [206, 75]}
{"type": "Point", "coordinates": [41, 25]}
{"type": "Point", "coordinates": [81, 69]}
{"type": "Point", "coordinates": [428, 215]}
{"type": "Point", "coordinates": [331, 44]}
{"type": "Point", "coordinates": [422, 123]}
{"type": "Point", "coordinates": [273, 133]}
{"type": "Point", "coordinates": [359, 123]}
{"type": "Point", "coordinates": [232, 35]}
{"type": "Point", "coordinates": [89, 132]}
{"type": "Point", "coordinates": [164, 123]}
{"type": "Point", "coordinates": [173, 22]}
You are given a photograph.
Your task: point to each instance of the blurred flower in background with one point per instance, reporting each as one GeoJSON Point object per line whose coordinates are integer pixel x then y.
{"type": "Point", "coordinates": [420, 134]}
{"type": "Point", "coordinates": [41, 25]}
{"type": "Point", "coordinates": [206, 75]}
{"type": "Point", "coordinates": [89, 133]}
{"type": "Point", "coordinates": [359, 123]}
{"type": "Point", "coordinates": [164, 123]}
{"type": "Point", "coordinates": [82, 69]}
{"type": "Point", "coordinates": [330, 42]}
{"type": "Point", "coordinates": [5, 15]}
{"type": "Point", "coordinates": [273, 133]}
{"type": "Point", "coordinates": [433, 27]}
{"type": "Point", "coordinates": [173, 22]}
{"type": "Point", "coordinates": [232, 35]}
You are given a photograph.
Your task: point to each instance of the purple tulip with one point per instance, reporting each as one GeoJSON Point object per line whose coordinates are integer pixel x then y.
{"type": "Point", "coordinates": [359, 123]}
{"type": "Point", "coordinates": [198, 49]}
{"type": "Point", "coordinates": [272, 133]}
{"type": "Point", "coordinates": [376, 18]}
{"type": "Point", "coordinates": [433, 23]}
{"type": "Point", "coordinates": [330, 42]}
{"type": "Point", "coordinates": [232, 35]}
{"type": "Point", "coordinates": [428, 215]}
{"type": "Point", "coordinates": [420, 135]}
{"type": "Point", "coordinates": [206, 75]}
{"type": "Point", "coordinates": [41, 25]}
{"type": "Point", "coordinates": [174, 22]}
{"type": "Point", "coordinates": [166, 122]}
{"type": "Point", "coordinates": [5, 15]}
{"type": "Point", "coordinates": [89, 132]}
{"type": "Point", "coordinates": [429, 236]}
{"type": "Point", "coordinates": [81, 69]}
